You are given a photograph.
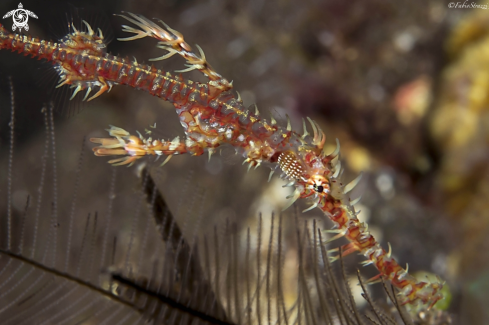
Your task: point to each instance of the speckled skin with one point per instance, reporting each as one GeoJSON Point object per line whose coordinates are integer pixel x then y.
{"type": "Point", "coordinates": [212, 115]}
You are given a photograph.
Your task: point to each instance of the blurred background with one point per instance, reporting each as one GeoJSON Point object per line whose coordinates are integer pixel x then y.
{"type": "Point", "coordinates": [403, 85]}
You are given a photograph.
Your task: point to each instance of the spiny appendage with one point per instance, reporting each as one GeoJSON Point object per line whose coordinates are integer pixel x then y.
{"type": "Point", "coordinates": [87, 42]}
{"type": "Point", "coordinates": [412, 292]}
{"type": "Point", "coordinates": [415, 294]}
{"type": "Point", "coordinates": [133, 147]}
{"type": "Point", "coordinates": [173, 42]}
{"type": "Point", "coordinates": [82, 46]}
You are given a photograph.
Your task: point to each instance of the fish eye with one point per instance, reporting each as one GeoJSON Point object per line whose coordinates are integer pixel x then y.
{"type": "Point", "coordinates": [319, 188]}
{"type": "Point", "coordinates": [319, 185]}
